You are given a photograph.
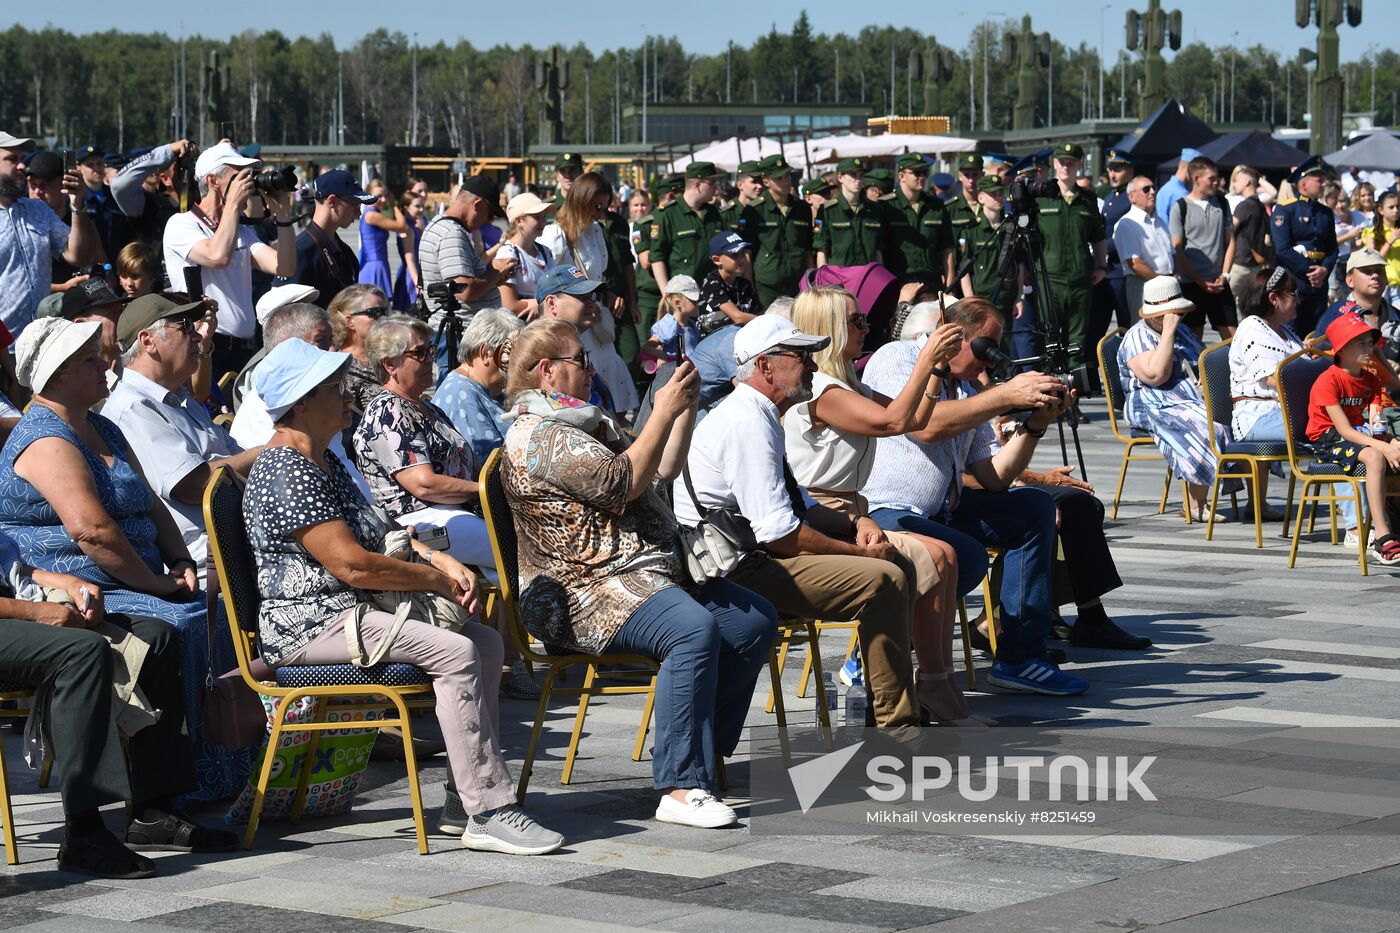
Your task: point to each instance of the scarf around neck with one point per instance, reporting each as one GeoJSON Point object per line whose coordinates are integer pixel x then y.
{"type": "Point", "coordinates": [558, 406]}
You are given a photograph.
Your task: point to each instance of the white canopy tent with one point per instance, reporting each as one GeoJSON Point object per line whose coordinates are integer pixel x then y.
{"type": "Point", "coordinates": [728, 153]}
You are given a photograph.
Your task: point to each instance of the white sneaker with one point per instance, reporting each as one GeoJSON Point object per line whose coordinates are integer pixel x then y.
{"type": "Point", "coordinates": [700, 810]}
{"type": "Point", "coordinates": [1352, 539]}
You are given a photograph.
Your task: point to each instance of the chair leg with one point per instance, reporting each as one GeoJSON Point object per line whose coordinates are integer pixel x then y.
{"type": "Point", "coordinates": [1256, 496]}
{"type": "Point", "coordinates": [279, 720]}
{"type": "Point", "coordinates": [967, 645]}
{"type": "Point", "coordinates": [1214, 504]}
{"type": "Point", "coordinates": [1363, 528]}
{"type": "Point", "coordinates": [540, 710]}
{"type": "Point", "coordinates": [1122, 476]}
{"type": "Point", "coordinates": [647, 708]}
{"type": "Point", "coordinates": [410, 759]}
{"type": "Point", "coordinates": [988, 605]}
{"type": "Point", "coordinates": [583, 698]}
{"type": "Point", "coordinates": [1186, 501]}
{"type": "Point", "coordinates": [781, 648]}
{"type": "Point", "coordinates": [1298, 525]}
{"type": "Point", "coordinates": [779, 707]}
{"type": "Point", "coordinates": [1166, 488]}
{"type": "Point", "coordinates": [1333, 510]}
{"type": "Point", "coordinates": [1288, 506]}
{"type": "Point", "coordinates": [823, 712]}
{"type": "Point", "coordinates": [7, 816]}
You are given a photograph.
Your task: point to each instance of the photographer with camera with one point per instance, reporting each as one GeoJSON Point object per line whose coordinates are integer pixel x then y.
{"type": "Point", "coordinates": [448, 254]}
{"type": "Point", "coordinates": [216, 235]}
{"type": "Point", "coordinates": [324, 261]}
{"type": "Point", "coordinates": [147, 189]}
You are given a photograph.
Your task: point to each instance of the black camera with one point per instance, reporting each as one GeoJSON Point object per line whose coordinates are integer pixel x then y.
{"type": "Point", "coordinates": [442, 293]}
{"type": "Point", "coordinates": [1021, 196]}
{"type": "Point", "coordinates": [275, 180]}
{"type": "Point", "coordinates": [97, 270]}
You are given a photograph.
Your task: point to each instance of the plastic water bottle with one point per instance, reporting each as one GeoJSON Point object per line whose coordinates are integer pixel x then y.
{"type": "Point", "coordinates": [855, 708]}
{"type": "Point", "coordinates": [829, 691]}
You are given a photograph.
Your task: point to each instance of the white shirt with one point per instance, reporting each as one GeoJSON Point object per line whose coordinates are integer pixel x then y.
{"type": "Point", "coordinates": [252, 426]}
{"type": "Point", "coordinates": [824, 458]}
{"type": "Point", "coordinates": [590, 254]}
{"type": "Point", "coordinates": [231, 286]}
{"type": "Point", "coordinates": [736, 461]}
{"type": "Point", "coordinates": [610, 366]}
{"type": "Point", "coordinates": [1255, 354]}
{"type": "Point", "coordinates": [1140, 235]}
{"type": "Point", "coordinates": [171, 435]}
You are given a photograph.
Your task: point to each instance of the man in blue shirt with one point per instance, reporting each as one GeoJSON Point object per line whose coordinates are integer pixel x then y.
{"type": "Point", "coordinates": [1176, 187]}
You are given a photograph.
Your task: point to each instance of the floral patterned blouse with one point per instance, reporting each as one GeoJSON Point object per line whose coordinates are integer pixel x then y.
{"type": "Point", "coordinates": [588, 557]}
{"type": "Point", "coordinates": [395, 434]}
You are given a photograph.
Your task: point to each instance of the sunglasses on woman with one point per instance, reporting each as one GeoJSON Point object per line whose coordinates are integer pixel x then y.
{"type": "Point", "coordinates": [858, 321]}
{"type": "Point", "coordinates": [374, 311]}
{"type": "Point", "coordinates": [581, 359]}
{"type": "Point", "coordinates": [422, 354]}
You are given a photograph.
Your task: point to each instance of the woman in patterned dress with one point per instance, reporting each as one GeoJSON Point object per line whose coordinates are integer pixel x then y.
{"type": "Point", "coordinates": [598, 564]}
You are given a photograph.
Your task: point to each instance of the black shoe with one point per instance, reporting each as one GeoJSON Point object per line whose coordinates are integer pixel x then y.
{"type": "Point", "coordinates": [102, 856]}
{"type": "Point", "coordinates": [1059, 628]}
{"type": "Point", "coordinates": [1094, 629]}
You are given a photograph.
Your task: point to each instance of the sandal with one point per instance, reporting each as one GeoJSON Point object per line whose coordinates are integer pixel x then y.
{"type": "Point", "coordinates": [102, 856]}
{"type": "Point", "coordinates": [175, 832]}
{"type": "Point", "coordinates": [1387, 550]}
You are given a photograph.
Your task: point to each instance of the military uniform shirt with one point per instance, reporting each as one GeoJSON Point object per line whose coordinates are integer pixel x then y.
{"type": "Point", "coordinates": [781, 241]}
{"type": "Point", "coordinates": [983, 239]}
{"type": "Point", "coordinates": [1070, 228]}
{"type": "Point", "coordinates": [916, 235]}
{"type": "Point", "coordinates": [849, 236]}
{"type": "Point", "coordinates": [641, 242]}
{"type": "Point", "coordinates": [1308, 224]}
{"type": "Point", "coordinates": [962, 218]}
{"type": "Point", "coordinates": [681, 238]}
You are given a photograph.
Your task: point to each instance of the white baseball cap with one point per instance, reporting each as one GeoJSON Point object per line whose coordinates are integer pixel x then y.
{"type": "Point", "coordinates": [280, 295]}
{"type": "Point", "coordinates": [683, 285]}
{"type": "Point", "coordinates": [46, 344]}
{"type": "Point", "coordinates": [769, 332]}
{"type": "Point", "coordinates": [219, 155]}
{"type": "Point", "coordinates": [15, 142]}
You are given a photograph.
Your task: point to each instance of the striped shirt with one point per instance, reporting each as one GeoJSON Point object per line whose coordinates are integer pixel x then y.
{"type": "Point", "coordinates": [446, 250]}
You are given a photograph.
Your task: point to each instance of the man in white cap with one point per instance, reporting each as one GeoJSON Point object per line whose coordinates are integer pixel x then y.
{"type": "Point", "coordinates": [210, 235]}
{"type": "Point", "coordinates": [737, 462]}
{"type": "Point", "coordinates": [169, 432]}
{"type": "Point", "coordinates": [31, 235]}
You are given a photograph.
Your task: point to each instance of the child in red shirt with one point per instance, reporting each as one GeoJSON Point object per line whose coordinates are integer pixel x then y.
{"type": "Point", "coordinates": [1337, 422]}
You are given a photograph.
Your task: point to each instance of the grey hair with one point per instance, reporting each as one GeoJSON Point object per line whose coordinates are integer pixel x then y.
{"type": "Point", "coordinates": [389, 337]}
{"type": "Point", "coordinates": [745, 370]}
{"type": "Point", "coordinates": [133, 353]}
{"type": "Point", "coordinates": [293, 320]}
{"type": "Point", "coordinates": [922, 319]}
{"type": "Point", "coordinates": [489, 329]}
{"type": "Point", "coordinates": [204, 179]}
{"type": "Point", "coordinates": [782, 307]}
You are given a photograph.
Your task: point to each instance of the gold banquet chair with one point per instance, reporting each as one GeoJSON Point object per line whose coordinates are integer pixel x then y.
{"type": "Point", "coordinates": [400, 686]}
{"type": "Point", "coordinates": [500, 527]}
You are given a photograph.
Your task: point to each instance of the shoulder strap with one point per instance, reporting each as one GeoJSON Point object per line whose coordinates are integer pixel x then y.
{"type": "Point", "coordinates": [690, 488]}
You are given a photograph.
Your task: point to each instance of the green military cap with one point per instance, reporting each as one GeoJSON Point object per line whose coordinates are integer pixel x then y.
{"type": "Point", "coordinates": [1116, 157]}
{"type": "Point", "coordinates": [991, 183]}
{"type": "Point", "coordinates": [568, 160]}
{"type": "Point", "coordinates": [913, 161]}
{"type": "Point", "coordinates": [702, 170]}
{"type": "Point", "coordinates": [969, 160]}
{"type": "Point", "coordinates": [881, 178]}
{"type": "Point", "coordinates": [850, 166]}
{"type": "Point", "coordinates": [1070, 151]}
{"type": "Point", "coordinates": [675, 181]}
{"type": "Point", "coordinates": [774, 166]}
{"type": "Point", "coordinates": [750, 168]}
{"type": "Point", "coordinates": [817, 186]}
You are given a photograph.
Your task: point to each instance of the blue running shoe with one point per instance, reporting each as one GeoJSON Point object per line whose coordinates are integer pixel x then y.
{"type": "Point", "coordinates": [853, 672]}
{"type": "Point", "coordinates": [1035, 676]}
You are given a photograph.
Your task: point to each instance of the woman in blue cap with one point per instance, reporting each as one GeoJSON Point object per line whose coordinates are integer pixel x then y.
{"type": "Point", "coordinates": [317, 544]}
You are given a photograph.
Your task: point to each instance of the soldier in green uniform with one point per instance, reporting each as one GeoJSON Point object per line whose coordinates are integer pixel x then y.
{"type": "Point", "coordinates": [749, 181]}
{"type": "Point", "coordinates": [816, 192]}
{"type": "Point", "coordinates": [779, 225]}
{"type": "Point", "coordinates": [567, 167]}
{"type": "Point", "coordinates": [963, 211]}
{"type": "Point", "coordinates": [879, 184]}
{"type": "Point", "coordinates": [920, 237]}
{"type": "Point", "coordinates": [850, 230]}
{"type": "Point", "coordinates": [1076, 254]}
{"type": "Point", "coordinates": [681, 234]}
{"type": "Point", "coordinates": [985, 278]}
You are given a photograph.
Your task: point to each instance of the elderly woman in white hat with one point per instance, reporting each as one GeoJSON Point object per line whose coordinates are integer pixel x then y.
{"type": "Point", "coordinates": [317, 543]}
{"type": "Point", "coordinates": [76, 502]}
{"type": "Point", "coordinates": [1162, 395]}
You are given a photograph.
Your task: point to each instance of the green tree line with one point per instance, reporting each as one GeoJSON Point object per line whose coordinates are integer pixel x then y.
{"type": "Point", "coordinates": [122, 90]}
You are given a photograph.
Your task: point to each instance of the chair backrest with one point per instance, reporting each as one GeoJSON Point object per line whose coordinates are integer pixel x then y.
{"type": "Point", "coordinates": [1295, 377]}
{"type": "Point", "coordinates": [1214, 367]}
{"type": "Point", "coordinates": [1111, 378]}
{"type": "Point", "coordinates": [500, 529]}
{"type": "Point", "coordinates": [234, 564]}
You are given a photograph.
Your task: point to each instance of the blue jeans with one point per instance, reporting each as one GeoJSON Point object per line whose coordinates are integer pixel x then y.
{"type": "Point", "coordinates": [1024, 340]}
{"type": "Point", "coordinates": [712, 649]}
{"type": "Point", "coordinates": [1269, 427]}
{"type": "Point", "coordinates": [1020, 521]}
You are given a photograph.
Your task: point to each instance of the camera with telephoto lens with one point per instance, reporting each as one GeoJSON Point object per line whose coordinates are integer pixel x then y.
{"type": "Point", "coordinates": [97, 270]}
{"type": "Point", "coordinates": [275, 180]}
{"type": "Point", "coordinates": [1021, 196]}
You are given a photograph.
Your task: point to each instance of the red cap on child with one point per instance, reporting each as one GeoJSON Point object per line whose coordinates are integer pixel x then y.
{"type": "Point", "coordinates": [1346, 328]}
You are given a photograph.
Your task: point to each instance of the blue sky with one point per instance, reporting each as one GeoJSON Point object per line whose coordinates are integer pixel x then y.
{"type": "Point", "coordinates": [708, 26]}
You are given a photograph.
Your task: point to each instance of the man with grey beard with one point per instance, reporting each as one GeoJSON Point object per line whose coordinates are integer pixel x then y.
{"type": "Point", "coordinates": [810, 561]}
{"type": "Point", "coordinates": [31, 235]}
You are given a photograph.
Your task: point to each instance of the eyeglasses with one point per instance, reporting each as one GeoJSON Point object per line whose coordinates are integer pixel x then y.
{"type": "Point", "coordinates": [337, 383]}
{"type": "Point", "coordinates": [374, 311]}
{"type": "Point", "coordinates": [421, 353]}
{"type": "Point", "coordinates": [581, 359]}
{"type": "Point", "coordinates": [858, 321]}
{"type": "Point", "coordinates": [804, 355]}
{"type": "Point", "coordinates": [184, 326]}
{"type": "Point", "coordinates": [1148, 189]}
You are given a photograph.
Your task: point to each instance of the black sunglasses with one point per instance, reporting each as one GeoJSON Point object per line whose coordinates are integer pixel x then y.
{"type": "Point", "coordinates": [374, 311]}
{"type": "Point", "coordinates": [804, 355]}
{"type": "Point", "coordinates": [421, 354]}
{"type": "Point", "coordinates": [581, 359]}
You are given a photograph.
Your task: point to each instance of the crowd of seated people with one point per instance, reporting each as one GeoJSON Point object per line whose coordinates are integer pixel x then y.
{"type": "Point", "coordinates": [874, 472]}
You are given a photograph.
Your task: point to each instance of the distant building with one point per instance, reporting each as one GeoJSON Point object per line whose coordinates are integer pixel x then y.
{"type": "Point", "coordinates": [687, 123]}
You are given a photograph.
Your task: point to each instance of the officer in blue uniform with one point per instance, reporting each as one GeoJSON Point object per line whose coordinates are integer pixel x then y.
{"type": "Point", "coordinates": [1305, 240]}
{"type": "Point", "coordinates": [1111, 295]}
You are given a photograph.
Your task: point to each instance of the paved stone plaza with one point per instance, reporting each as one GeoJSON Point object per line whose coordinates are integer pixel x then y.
{"type": "Point", "coordinates": [1241, 640]}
